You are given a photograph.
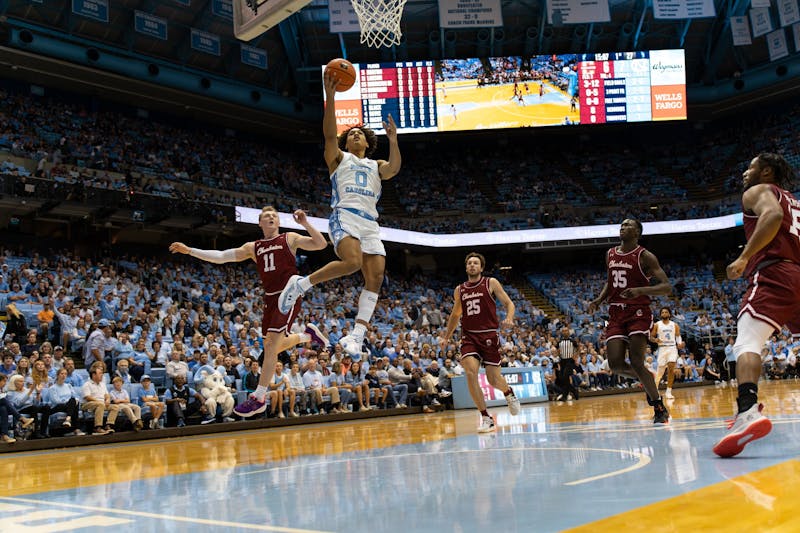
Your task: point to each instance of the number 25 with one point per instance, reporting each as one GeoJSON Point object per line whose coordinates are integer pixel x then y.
{"type": "Point", "coordinates": [473, 307]}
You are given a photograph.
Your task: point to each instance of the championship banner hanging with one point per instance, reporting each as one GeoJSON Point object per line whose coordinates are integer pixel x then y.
{"type": "Point", "coordinates": [683, 9]}
{"type": "Point", "coordinates": [760, 21]}
{"type": "Point", "coordinates": [470, 13]}
{"type": "Point", "coordinates": [342, 17]}
{"type": "Point", "coordinates": [788, 12]}
{"type": "Point", "coordinates": [577, 11]}
{"type": "Point", "coordinates": [740, 30]}
{"type": "Point", "coordinates": [776, 43]}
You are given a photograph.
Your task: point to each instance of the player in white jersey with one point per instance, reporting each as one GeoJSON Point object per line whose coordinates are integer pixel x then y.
{"type": "Point", "coordinates": [356, 187]}
{"type": "Point", "coordinates": [667, 334]}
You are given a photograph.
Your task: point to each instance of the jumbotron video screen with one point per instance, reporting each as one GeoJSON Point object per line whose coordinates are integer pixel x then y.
{"type": "Point", "coordinates": [517, 92]}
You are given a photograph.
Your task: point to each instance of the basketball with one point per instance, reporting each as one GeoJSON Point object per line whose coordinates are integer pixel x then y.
{"type": "Point", "coordinates": [343, 71]}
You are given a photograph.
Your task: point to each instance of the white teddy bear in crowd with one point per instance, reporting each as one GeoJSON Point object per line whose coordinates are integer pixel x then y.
{"type": "Point", "coordinates": [216, 393]}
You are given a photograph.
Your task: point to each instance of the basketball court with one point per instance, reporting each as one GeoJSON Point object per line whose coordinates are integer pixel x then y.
{"type": "Point", "coordinates": [495, 106]}
{"type": "Point", "coordinates": [597, 464]}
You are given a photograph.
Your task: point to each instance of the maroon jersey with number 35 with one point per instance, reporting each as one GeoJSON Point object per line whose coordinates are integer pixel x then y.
{"type": "Point", "coordinates": [625, 272]}
{"type": "Point", "coordinates": [478, 308]}
{"type": "Point", "coordinates": [276, 263]}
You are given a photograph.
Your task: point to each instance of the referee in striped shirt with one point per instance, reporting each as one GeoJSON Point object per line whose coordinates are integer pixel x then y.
{"type": "Point", "coordinates": [567, 348]}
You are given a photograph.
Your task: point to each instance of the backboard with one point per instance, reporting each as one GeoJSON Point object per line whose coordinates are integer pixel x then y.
{"type": "Point", "coordinates": [251, 18]}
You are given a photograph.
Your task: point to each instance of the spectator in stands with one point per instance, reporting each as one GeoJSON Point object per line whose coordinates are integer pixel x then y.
{"type": "Point", "coordinates": [315, 385]}
{"type": "Point", "coordinates": [16, 328]}
{"type": "Point", "coordinates": [251, 378]}
{"type": "Point", "coordinates": [73, 378]}
{"type": "Point", "coordinates": [8, 368]}
{"type": "Point", "coordinates": [96, 400]}
{"type": "Point", "coordinates": [280, 385]}
{"type": "Point", "coordinates": [148, 397]}
{"type": "Point", "coordinates": [39, 377]}
{"type": "Point", "coordinates": [182, 402]}
{"type": "Point", "coordinates": [62, 398]}
{"type": "Point", "coordinates": [710, 372]}
{"type": "Point", "coordinates": [95, 347]}
{"type": "Point", "coordinates": [123, 371]}
{"type": "Point", "coordinates": [338, 378]}
{"type": "Point", "coordinates": [31, 344]}
{"type": "Point", "coordinates": [122, 399]}
{"type": "Point", "coordinates": [177, 366]}
{"type": "Point", "coordinates": [140, 361]}
{"type": "Point", "coordinates": [446, 374]}
{"type": "Point", "coordinates": [7, 409]}
{"type": "Point", "coordinates": [384, 395]}
{"type": "Point", "coordinates": [415, 387]}
{"type": "Point", "coordinates": [46, 317]}
{"type": "Point", "coordinates": [396, 374]}
{"type": "Point", "coordinates": [298, 396]}
{"type": "Point", "coordinates": [359, 385]}
{"type": "Point", "coordinates": [68, 321]}
{"type": "Point", "coordinates": [23, 367]}
{"type": "Point", "coordinates": [58, 358]}
{"type": "Point", "coordinates": [28, 400]}
{"type": "Point", "coordinates": [122, 348]}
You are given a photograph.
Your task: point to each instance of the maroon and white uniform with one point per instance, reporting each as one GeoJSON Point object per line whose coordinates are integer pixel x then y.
{"type": "Point", "coordinates": [773, 295]}
{"type": "Point", "coordinates": [627, 316]}
{"type": "Point", "coordinates": [276, 263]}
{"type": "Point", "coordinates": [479, 322]}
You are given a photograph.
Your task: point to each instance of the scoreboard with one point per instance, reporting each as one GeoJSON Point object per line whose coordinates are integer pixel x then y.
{"type": "Point", "coordinates": [515, 92]}
{"type": "Point", "coordinates": [528, 383]}
{"type": "Point", "coordinates": [632, 86]}
{"type": "Point", "coordinates": [407, 91]}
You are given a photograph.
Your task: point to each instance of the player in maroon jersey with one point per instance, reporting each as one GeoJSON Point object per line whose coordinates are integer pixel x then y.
{"type": "Point", "coordinates": [275, 259]}
{"type": "Point", "coordinates": [771, 261]}
{"type": "Point", "coordinates": [474, 304]}
{"type": "Point", "coordinates": [628, 290]}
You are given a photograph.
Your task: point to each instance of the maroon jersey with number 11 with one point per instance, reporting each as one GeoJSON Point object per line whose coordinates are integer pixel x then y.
{"type": "Point", "coordinates": [276, 263]}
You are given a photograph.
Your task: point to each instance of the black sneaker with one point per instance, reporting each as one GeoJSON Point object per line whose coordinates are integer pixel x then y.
{"type": "Point", "coordinates": [661, 415]}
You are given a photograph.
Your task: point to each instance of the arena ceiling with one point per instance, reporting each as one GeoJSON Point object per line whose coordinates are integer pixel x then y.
{"type": "Point", "coordinates": [297, 47]}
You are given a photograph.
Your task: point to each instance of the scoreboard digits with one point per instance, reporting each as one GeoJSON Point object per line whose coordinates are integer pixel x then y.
{"type": "Point", "coordinates": [622, 87]}
{"type": "Point", "coordinates": [404, 90]}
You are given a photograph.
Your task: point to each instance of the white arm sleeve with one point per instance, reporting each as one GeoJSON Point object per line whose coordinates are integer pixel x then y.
{"type": "Point", "coordinates": [679, 340]}
{"type": "Point", "coordinates": [214, 256]}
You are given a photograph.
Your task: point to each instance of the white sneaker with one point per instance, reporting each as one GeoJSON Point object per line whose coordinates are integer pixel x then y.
{"type": "Point", "coordinates": [435, 402]}
{"type": "Point", "coordinates": [289, 295]}
{"type": "Point", "coordinates": [445, 394]}
{"type": "Point", "coordinates": [487, 425]}
{"type": "Point", "coordinates": [668, 394]}
{"type": "Point", "coordinates": [351, 345]}
{"type": "Point", "coordinates": [746, 427]}
{"type": "Point", "coordinates": [513, 405]}
{"type": "Point", "coordinates": [280, 414]}
{"type": "Point", "coordinates": [569, 397]}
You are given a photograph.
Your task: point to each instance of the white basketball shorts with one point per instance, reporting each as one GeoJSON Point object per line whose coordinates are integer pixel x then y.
{"type": "Point", "coordinates": [343, 223]}
{"type": "Point", "coordinates": [667, 354]}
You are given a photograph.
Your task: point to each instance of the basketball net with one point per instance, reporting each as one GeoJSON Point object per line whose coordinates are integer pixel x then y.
{"type": "Point", "coordinates": [380, 21]}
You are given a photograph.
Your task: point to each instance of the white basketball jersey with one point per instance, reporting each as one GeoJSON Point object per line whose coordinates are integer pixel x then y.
{"type": "Point", "coordinates": [356, 186]}
{"type": "Point", "coordinates": [665, 333]}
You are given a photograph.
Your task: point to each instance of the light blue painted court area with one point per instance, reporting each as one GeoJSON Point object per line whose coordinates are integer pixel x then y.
{"type": "Point", "coordinates": [532, 475]}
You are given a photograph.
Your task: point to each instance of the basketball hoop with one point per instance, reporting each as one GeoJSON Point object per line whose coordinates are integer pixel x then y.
{"type": "Point", "coordinates": [380, 21]}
